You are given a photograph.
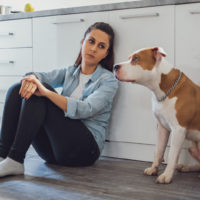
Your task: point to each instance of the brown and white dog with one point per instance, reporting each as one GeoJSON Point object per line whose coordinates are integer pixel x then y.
{"type": "Point", "coordinates": [175, 103]}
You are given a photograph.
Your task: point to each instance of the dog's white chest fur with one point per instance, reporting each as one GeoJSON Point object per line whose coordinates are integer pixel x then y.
{"type": "Point", "coordinates": [165, 112]}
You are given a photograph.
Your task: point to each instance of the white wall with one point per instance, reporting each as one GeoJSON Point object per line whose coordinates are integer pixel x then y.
{"type": "Point", "coordinates": [53, 4]}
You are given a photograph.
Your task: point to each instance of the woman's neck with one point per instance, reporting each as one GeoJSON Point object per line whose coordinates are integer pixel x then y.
{"type": "Point", "coordinates": [88, 69]}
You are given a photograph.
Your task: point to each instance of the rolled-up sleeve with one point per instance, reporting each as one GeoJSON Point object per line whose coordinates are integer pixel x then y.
{"type": "Point", "coordinates": [95, 102]}
{"type": "Point", "coordinates": [55, 78]}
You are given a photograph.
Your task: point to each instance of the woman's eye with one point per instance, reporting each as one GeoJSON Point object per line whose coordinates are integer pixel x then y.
{"type": "Point", "coordinates": [101, 46]}
{"type": "Point", "coordinates": [91, 41]}
{"type": "Point", "coordinates": [135, 59]}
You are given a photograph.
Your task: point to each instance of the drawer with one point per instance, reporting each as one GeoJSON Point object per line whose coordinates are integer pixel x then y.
{"type": "Point", "coordinates": [16, 33]}
{"type": "Point", "coordinates": [5, 83]}
{"type": "Point", "coordinates": [15, 61]}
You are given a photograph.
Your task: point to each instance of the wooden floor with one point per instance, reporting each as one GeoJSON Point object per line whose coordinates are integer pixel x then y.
{"type": "Point", "coordinates": [107, 179]}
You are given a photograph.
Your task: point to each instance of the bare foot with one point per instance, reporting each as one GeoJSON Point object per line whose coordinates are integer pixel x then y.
{"type": "Point", "coordinates": [188, 168]}
{"type": "Point", "coordinates": [195, 153]}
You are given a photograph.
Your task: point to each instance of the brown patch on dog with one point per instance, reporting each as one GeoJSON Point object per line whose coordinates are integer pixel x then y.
{"type": "Point", "coordinates": [145, 58]}
{"type": "Point", "coordinates": [188, 99]}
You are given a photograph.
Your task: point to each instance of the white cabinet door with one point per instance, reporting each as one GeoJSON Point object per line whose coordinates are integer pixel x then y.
{"type": "Point", "coordinates": [16, 61]}
{"type": "Point", "coordinates": [132, 119]}
{"type": "Point", "coordinates": [57, 39]}
{"type": "Point", "coordinates": [188, 40]}
{"type": "Point", "coordinates": [16, 33]}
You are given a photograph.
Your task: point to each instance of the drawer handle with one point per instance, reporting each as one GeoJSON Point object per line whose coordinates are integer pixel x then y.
{"type": "Point", "coordinates": [71, 21]}
{"type": "Point", "coordinates": [194, 12]}
{"type": "Point", "coordinates": [7, 62]}
{"type": "Point", "coordinates": [7, 34]}
{"type": "Point", "coordinates": [139, 15]}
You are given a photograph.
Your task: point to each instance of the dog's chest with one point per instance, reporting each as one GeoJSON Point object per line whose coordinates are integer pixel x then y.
{"type": "Point", "coordinates": [165, 112]}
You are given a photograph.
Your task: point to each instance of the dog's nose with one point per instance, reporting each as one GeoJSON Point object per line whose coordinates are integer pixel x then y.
{"type": "Point", "coordinates": [116, 67]}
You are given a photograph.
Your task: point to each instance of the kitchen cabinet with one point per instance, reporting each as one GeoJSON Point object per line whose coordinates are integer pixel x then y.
{"type": "Point", "coordinates": [15, 54]}
{"type": "Point", "coordinates": [187, 35]}
{"type": "Point", "coordinates": [16, 33]}
{"type": "Point", "coordinates": [176, 29]}
{"type": "Point", "coordinates": [136, 29]}
{"type": "Point", "coordinates": [16, 61]}
{"type": "Point", "coordinates": [57, 39]}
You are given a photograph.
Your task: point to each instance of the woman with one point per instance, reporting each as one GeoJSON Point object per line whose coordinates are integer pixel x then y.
{"type": "Point", "coordinates": [67, 129]}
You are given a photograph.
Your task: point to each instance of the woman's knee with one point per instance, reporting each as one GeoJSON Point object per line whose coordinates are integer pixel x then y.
{"type": "Point", "coordinates": [13, 90]}
{"type": "Point", "coordinates": [15, 87]}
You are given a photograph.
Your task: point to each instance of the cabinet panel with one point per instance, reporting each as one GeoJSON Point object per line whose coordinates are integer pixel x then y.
{"type": "Point", "coordinates": [132, 119]}
{"type": "Point", "coordinates": [143, 27]}
{"type": "Point", "coordinates": [57, 39]}
{"type": "Point", "coordinates": [15, 61]}
{"type": "Point", "coordinates": [188, 40]}
{"type": "Point", "coordinates": [16, 33]}
{"type": "Point", "coordinates": [5, 83]}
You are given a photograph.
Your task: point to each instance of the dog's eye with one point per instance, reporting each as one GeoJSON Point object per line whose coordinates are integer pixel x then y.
{"type": "Point", "coordinates": [135, 59]}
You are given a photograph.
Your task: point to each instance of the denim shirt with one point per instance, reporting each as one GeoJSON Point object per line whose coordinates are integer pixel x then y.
{"type": "Point", "coordinates": [94, 107]}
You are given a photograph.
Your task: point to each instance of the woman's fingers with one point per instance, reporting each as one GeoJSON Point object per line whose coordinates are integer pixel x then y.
{"type": "Point", "coordinates": [31, 91]}
{"type": "Point", "coordinates": [27, 89]}
{"type": "Point", "coordinates": [24, 85]}
{"type": "Point", "coordinates": [28, 92]}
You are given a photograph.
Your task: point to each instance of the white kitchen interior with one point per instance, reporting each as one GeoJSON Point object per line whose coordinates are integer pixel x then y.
{"type": "Point", "coordinates": [49, 38]}
{"type": "Point", "coordinates": [42, 43]}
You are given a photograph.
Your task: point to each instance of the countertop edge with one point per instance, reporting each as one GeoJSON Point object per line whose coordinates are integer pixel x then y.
{"type": "Point", "coordinates": [95, 8]}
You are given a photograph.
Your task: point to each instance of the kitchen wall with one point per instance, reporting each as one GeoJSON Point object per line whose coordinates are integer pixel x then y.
{"type": "Point", "coordinates": [52, 4]}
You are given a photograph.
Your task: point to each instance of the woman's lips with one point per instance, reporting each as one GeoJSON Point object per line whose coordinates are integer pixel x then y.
{"type": "Point", "coordinates": [91, 56]}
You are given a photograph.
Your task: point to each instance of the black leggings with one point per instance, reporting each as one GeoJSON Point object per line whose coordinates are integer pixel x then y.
{"type": "Point", "coordinates": [37, 121]}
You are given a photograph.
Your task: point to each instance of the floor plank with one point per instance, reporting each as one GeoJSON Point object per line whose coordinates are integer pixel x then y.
{"type": "Point", "coordinates": [108, 179]}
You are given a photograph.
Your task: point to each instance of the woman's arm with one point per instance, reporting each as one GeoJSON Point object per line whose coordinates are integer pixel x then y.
{"type": "Point", "coordinates": [57, 99]}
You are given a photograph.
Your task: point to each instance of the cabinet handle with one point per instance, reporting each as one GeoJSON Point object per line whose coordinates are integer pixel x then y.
{"type": "Point", "coordinates": [139, 15]}
{"type": "Point", "coordinates": [194, 12]}
{"type": "Point", "coordinates": [7, 34]}
{"type": "Point", "coordinates": [7, 62]}
{"type": "Point", "coordinates": [71, 21]}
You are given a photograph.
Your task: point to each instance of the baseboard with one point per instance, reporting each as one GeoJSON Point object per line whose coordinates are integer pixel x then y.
{"type": "Point", "coordinates": [141, 152]}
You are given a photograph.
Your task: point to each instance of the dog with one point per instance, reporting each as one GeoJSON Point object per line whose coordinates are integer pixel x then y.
{"type": "Point", "coordinates": [175, 104]}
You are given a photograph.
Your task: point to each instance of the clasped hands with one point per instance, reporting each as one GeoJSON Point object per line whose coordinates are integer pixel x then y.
{"type": "Point", "coordinates": [31, 85]}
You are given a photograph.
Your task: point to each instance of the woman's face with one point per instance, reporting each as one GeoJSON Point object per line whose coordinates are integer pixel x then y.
{"type": "Point", "coordinates": [95, 47]}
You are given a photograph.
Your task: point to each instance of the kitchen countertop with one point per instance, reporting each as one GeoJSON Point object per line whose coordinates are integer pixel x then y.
{"type": "Point", "coordinates": [95, 8]}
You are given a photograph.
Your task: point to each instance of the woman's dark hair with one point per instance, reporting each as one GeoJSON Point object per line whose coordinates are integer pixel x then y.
{"type": "Point", "coordinates": [108, 61]}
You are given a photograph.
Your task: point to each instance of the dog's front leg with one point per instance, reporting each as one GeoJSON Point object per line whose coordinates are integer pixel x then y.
{"type": "Point", "coordinates": [162, 139]}
{"type": "Point", "coordinates": [178, 136]}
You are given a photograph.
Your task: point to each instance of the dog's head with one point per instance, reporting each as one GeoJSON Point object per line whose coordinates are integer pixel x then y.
{"type": "Point", "coordinates": [141, 65]}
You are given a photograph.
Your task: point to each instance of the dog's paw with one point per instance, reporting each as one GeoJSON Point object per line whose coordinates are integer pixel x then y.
{"type": "Point", "coordinates": [163, 178]}
{"type": "Point", "coordinates": [151, 171]}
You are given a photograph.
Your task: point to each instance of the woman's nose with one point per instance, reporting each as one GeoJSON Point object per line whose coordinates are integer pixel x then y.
{"type": "Point", "coordinates": [94, 48]}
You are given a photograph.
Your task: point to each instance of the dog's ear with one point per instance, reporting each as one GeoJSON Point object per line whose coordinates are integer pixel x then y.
{"type": "Point", "coordinates": [158, 53]}
{"type": "Point", "coordinates": [159, 50]}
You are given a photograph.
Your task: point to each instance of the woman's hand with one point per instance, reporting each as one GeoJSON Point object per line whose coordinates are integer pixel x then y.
{"type": "Point", "coordinates": [40, 89]}
{"type": "Point", "coordinates": [27, 88]}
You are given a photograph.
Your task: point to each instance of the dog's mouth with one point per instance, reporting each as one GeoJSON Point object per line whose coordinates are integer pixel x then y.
{"type": "Point", "coordinates": [121, 78]}
{"type": "Point", "coordinates": [124, 80]}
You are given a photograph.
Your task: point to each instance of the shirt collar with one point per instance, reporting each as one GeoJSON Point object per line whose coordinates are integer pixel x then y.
{"type": "Point", "coordinates": [94, 76]}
